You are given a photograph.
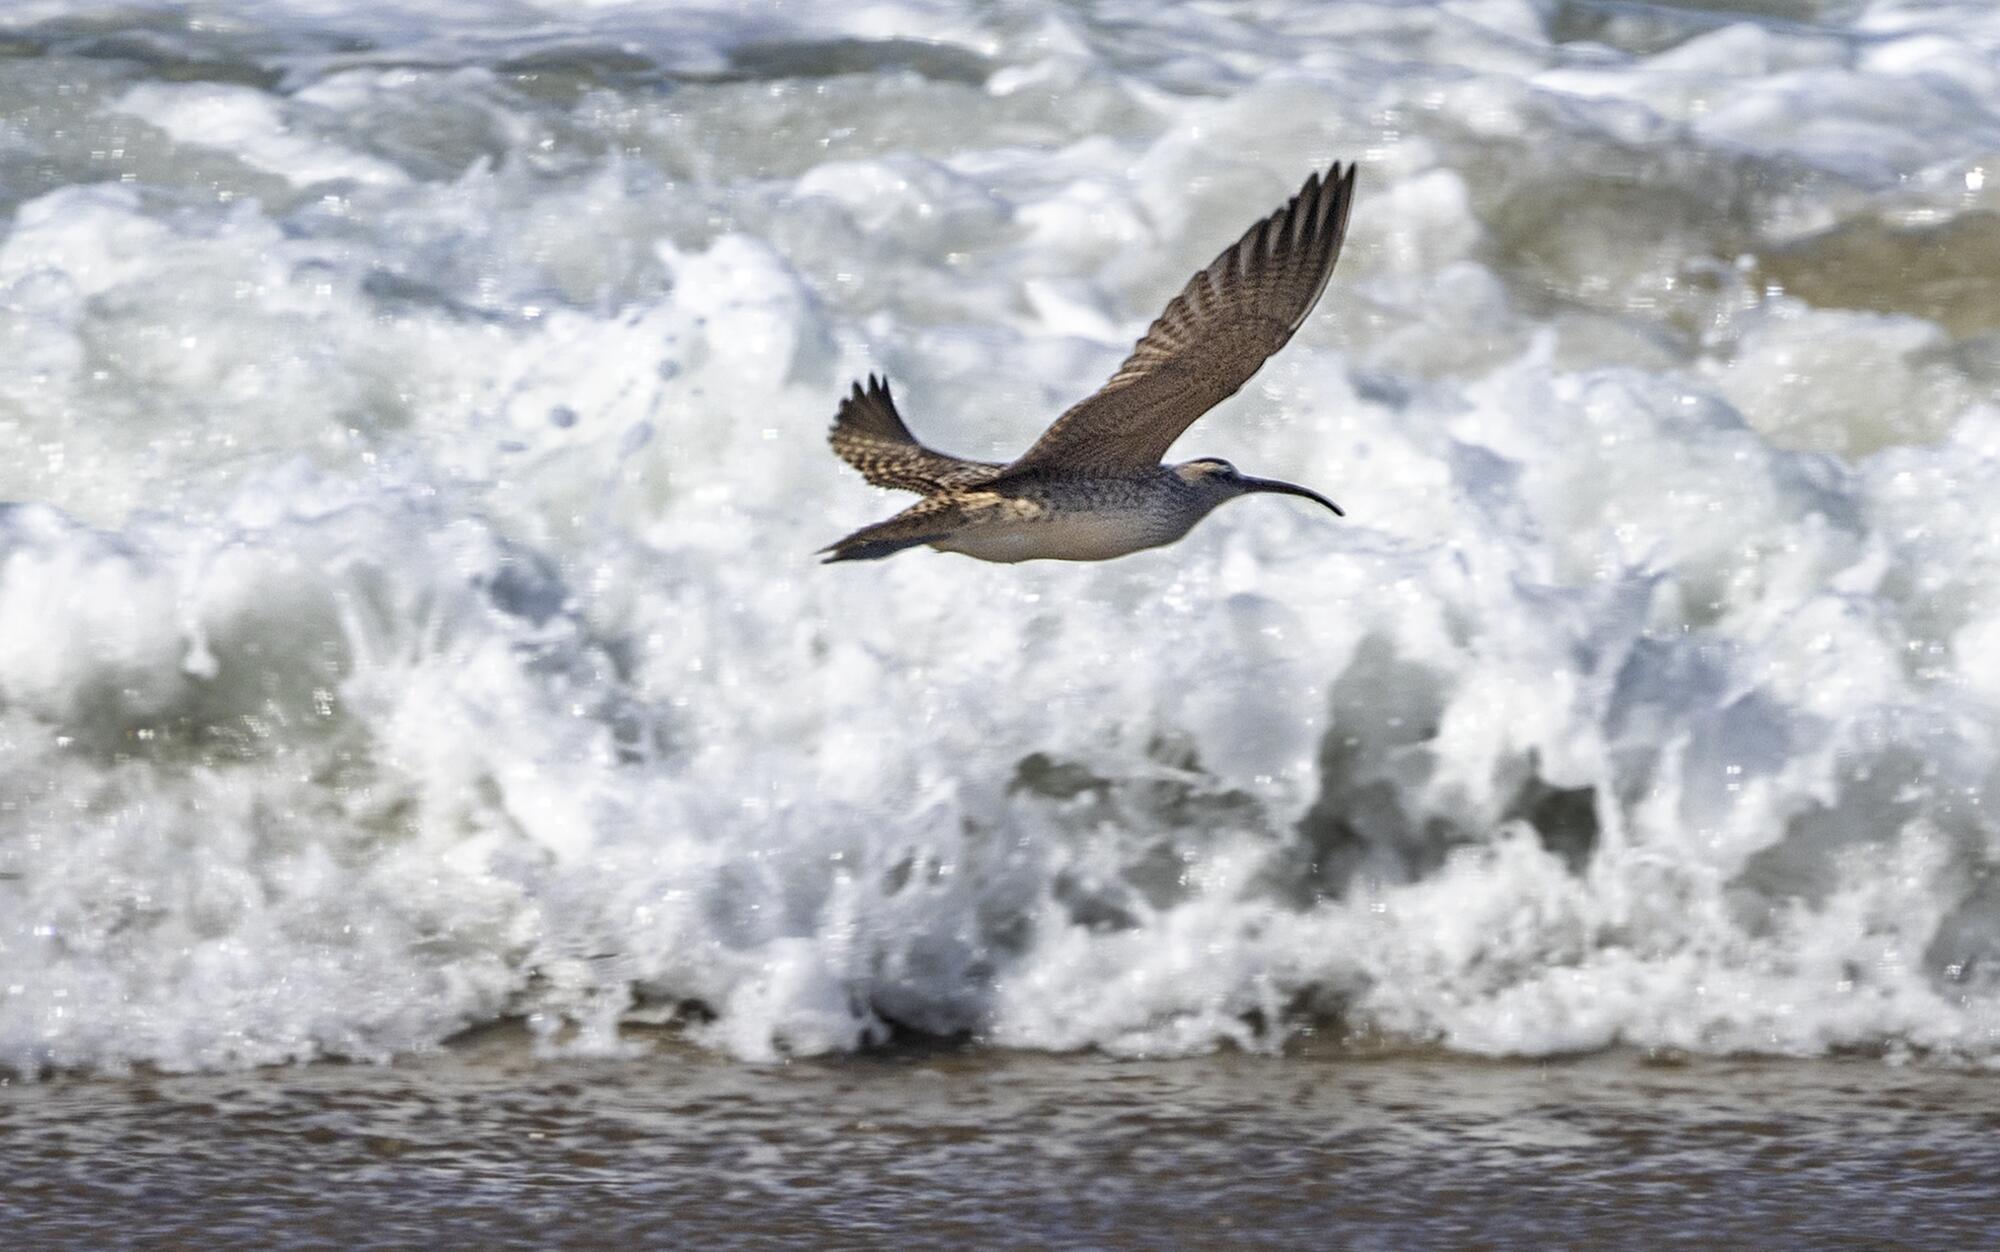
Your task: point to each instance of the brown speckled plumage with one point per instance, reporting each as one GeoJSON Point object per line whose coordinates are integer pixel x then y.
{"type": "Point", "coordinates": [1092, 487]}
{"type": "Point", "coordinates": [869, 434]}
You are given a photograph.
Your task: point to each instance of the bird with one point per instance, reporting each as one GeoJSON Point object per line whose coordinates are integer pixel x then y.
{"type": "Point", "coordinates": [1093, 487]}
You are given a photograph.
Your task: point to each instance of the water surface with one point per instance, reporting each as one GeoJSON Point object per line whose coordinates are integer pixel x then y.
{"type": "Point", "coordinates": [411, 448]}
{"type": "Point", "coordinates": [485, 1145]}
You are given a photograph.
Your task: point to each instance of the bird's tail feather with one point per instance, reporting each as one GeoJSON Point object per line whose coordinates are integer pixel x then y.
{"type": "Point", "coordinates": [856, 548]}
{"type": "Point", "coordinates": [922, 522]}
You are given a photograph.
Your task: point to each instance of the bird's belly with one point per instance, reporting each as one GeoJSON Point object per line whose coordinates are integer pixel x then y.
{"type": "Point", "coordinates": [1086, 537]}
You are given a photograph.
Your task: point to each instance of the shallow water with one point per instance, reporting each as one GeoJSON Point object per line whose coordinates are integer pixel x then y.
{"type": "Point", "coordinates": [485, 1145]}
{"type": "Point", "coordinates": [410, 429]}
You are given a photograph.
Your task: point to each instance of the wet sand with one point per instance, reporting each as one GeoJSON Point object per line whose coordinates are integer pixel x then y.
{"type": "Point", "coordinates": [483, 1145]}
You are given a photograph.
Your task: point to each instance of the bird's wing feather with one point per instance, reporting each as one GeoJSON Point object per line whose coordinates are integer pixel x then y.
{"type": "Point", "coordinates": [870, 435]}
{"type": "Point", "coordinates": [1213, 336]}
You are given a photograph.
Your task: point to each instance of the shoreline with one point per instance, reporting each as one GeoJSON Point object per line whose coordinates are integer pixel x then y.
{"type": "Point", "coordinates": [485, 1143]}
{"type": "Point", "coordinates": [509, 1040]}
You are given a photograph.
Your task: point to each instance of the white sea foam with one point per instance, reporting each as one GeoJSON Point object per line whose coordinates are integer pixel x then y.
{"type": "Point", "coordinates": [412, 419]}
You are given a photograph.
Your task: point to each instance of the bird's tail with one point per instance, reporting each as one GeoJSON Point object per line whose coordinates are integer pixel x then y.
{"type": "Point", "coordinates": [858, 547]}
{"type": "Point", "coordinates": [922, 522]}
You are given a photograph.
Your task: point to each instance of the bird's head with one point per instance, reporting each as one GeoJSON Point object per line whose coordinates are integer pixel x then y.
{"type": "Point", "coordinates": [1217, 480]}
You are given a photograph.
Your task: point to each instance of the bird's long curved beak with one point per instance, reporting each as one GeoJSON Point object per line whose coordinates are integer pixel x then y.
{"type": "Point", "coordinates": [1290, 489]}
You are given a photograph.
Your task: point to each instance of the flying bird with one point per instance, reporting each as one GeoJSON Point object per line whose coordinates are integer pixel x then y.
{"type": "Point", "coordinates": [1092, 487]}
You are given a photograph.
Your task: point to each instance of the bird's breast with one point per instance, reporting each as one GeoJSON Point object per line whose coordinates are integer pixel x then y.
{"type": "Point", "coordinates": [1095, 523]}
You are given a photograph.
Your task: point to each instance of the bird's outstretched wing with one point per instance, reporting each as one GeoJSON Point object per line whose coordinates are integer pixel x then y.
{"type": "Point", "coordinates": [1213, 336]}
{"type": "Point", "coordinates": [869, 435]}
